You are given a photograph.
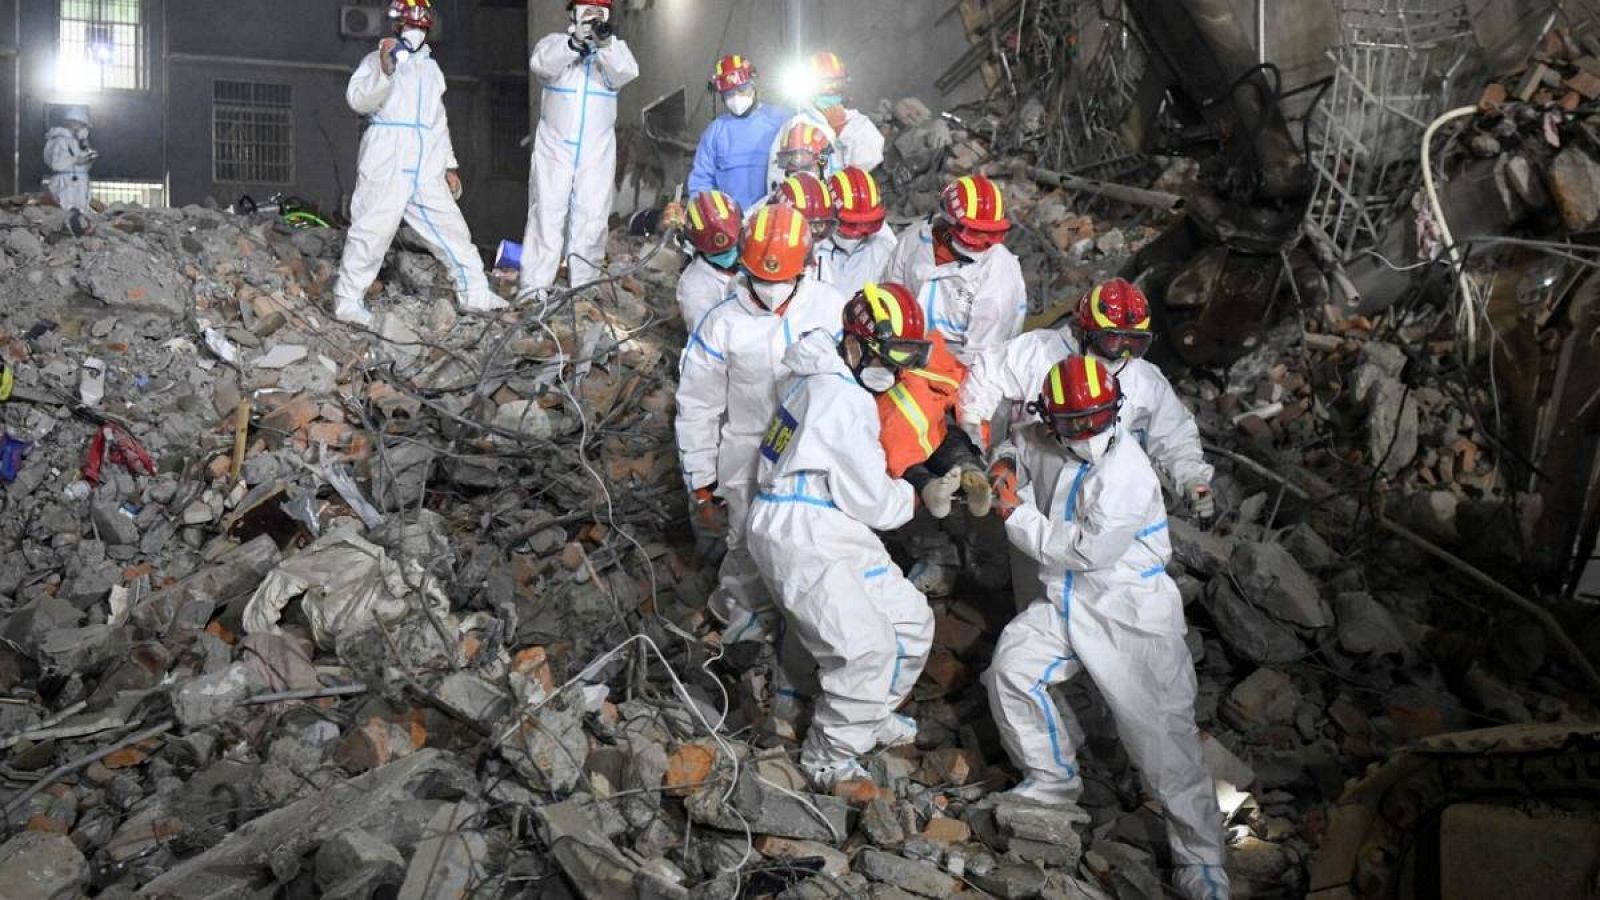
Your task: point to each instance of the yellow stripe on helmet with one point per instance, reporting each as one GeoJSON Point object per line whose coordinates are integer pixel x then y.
{"type": "Point", "coordinates": [694, 217]}
{"type": "Point", "coordinates": [797, 192]}
{"type": "Point", "coordinates": [763, 219]}
{"type": "Point", "coordinates": [884, 306]}
{"type": "Point", "coordinates": [1057, 392]}
{"type": "Point", "coordinates": [1091, 368]}
{"type": "Point", "coordinates": [999, 202]}
{"type": "Point", "coordinates": [738, 63]}
{"type": "Point", "coordinates": [722, 204]}
{"type": "Point", "coordinates": [846, 191]}
{"type": "Point", "coordinates": [969, 196]}
{"type": "Point", "coordinates": [1099, 317]}
{"type": "Point", "coordinates": [797, 229]}
{"type": "Point", "coordinates": [1142, 325]}
{"type": "Point", "coordinates": [872, 190]}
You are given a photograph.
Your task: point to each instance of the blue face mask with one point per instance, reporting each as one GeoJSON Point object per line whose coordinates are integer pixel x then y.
{"type": "Point", "coordinates": [725, 259]}
{"type": "Point", "coordinates": [828, 101]}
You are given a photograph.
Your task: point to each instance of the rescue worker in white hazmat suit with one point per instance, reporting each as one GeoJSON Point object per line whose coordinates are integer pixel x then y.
{"type": "Point", "coordinates": [858, 251]}
{"type": "Point", "coordinates": [1113, 323]}
{"type": "Point", "coordinates": [1080, 499]}
{"type": "Point", "coordinates": [575, 147]}
{"type": "Point", "coordinates": [825, 488]}
{"type": "Point", "coordinates": [68, 155]}
{"type": "Point", "coordinates": [857, 140]}
{"type": "Point", "coordinates": [711, 224]}
{"type": "Point", "coordinates": [728, 388]}
{"type": "Point", "coordinates": [407, 169]}
{"type": "Point", "coordinates": [969, 284]}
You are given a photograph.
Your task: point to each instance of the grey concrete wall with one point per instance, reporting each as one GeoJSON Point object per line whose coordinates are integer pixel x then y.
{"type": "Point", "coordinates": [894, 48]}
{"type": "Point", "coordinates": [127, 124]}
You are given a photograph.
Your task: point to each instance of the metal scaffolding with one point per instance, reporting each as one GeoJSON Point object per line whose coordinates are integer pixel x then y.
{"type": "Point", "coordinates": [1397, 65]}
{"type": "Point", "coordinates": [1097, 98]}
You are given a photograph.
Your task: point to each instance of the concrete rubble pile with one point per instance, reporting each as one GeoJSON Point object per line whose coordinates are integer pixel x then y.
{"type": "Point", "coordinates": [443, 632]}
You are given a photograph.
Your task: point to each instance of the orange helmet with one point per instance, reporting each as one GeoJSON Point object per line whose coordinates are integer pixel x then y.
{"type": "Point", "coordinates": [805, 148]}
{"type": "Point", "coordinates": [890, 325]}
{"type": "Point", "coordinates": [732, 73]}
{"type": "Point", "coordinates": [1114, 319]}
{"type": "Point", "coordinates": [975, 211]}
{"type": "Point", "coordinates": [1079, 399]}
{"type": "Point", "coordinates": [776, 245]}
{"type": "Point", "coordinates": [856, 197]}
{"type": "Point", "coordinates": [806, 192]}
{"type": "Point", "coordinates": [714, 220]}
{"type": "Point", "coordinates": [412, 13]}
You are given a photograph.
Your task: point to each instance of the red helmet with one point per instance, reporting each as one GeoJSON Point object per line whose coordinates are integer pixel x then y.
{"type": "Point", "coordinates": [732, 73]}
{"type": "Point", "coordinates": [976, 212]}
{"type": "Point", "coordinates": [828, 69]}
{"type": "Point", "coordinates": [1080, 398]}
{"type": "Point", "coordinates": [890, 325]}
{"type": "Point", "coordinates": [714, 220]}
{"type": "Point", "coordinates": [806, 192]}
{"type": "Point", "coordinates": [1114, 319]}
{"type": "Point", "coordinates": [804, 148]}
{"type": "Point", "coordinates": [856, 197]}
{"type": "Point", "coordinates": [776, 245]}
{"type": "Point", "coordinates": [412, 13]}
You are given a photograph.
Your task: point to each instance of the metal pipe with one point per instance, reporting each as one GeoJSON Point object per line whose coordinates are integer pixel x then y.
{"type": "Point", "coordinates": [1261, 31]}
{"type": "Point", "coordinates": [1157, 200]}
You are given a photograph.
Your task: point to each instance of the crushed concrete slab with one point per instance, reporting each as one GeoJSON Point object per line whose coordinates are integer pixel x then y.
{"type": "Point", "coordinates": [228, 869]}
{"type": "Point", "coordinates": [37, 865]}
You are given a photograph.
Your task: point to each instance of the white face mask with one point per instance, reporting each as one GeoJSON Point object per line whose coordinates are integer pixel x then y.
{"type": "Point", "coordinates": [739, 103]}
{"type": "Point", "coordinates": [877, 379]}
{"type": "Point", "coordinates": [771, 294]}
{"type": "Point", "coordinates": [848, 245]}
{"type": "Point", "coordinates": [414, 38]}
{"type": "Point", "coordinates": [81, 134]}
{"type": "Point", "coordinates": [1092, 450]}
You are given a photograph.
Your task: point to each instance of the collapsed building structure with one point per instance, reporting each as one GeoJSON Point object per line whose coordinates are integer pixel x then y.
{"type": "Point", "coordinates": [300, 609]}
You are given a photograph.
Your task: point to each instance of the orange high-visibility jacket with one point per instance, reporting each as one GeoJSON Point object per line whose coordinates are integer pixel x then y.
{"type": "Point", "coordinates": [914, 416]}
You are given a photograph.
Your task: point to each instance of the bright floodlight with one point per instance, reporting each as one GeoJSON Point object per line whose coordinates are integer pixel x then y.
{"type": "Point", "coordinates": [80, 75]}
{"type": "Point", "coordinates": [797, 84]}
{"type": "Point", "coordinates": [100, 53]}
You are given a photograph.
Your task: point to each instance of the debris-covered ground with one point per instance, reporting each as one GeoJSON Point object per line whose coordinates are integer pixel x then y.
{"type": "Point", "coordinates": [297, 609]}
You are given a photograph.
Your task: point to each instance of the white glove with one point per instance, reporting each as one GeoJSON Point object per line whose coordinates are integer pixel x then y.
{"type": "Point", "coordinates": [1202, 503]}
{"type": "Point", "coordinates": [938, 494]}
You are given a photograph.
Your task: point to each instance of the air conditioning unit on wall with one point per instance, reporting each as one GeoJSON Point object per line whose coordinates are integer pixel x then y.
{"type": "Point", "coordinates": [372, 22]}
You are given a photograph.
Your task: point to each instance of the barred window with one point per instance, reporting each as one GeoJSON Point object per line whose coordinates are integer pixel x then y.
{"type": "Point", "coordinates": [101, 46]}
{"type": "Point", "coordinates": [252, 131]}
{"type": "Point", "coordinates": [144, 193]}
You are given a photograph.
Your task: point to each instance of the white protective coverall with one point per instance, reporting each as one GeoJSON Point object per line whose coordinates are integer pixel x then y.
{"type": "Point", "coordinates": [69, 168]}
{"type": "Point", "coordinates": [727, 391]}
{"type": "Point", "coordinates": [858, 144]}
{"type": "Point", "coordinates": [574, 159]}
{"type": "Point", "coordinates": [850, 266]}
{"type": "Point", "coordinates": [700, 287]}
{"type": "Point", "coordinates": [1151, 410]}
{"type": "Point", "coordinates": [976, 305]}
{"type": "Point", "coordinates": [405, 154]}
{"type": "Point", "coordinates": [825, 489]}
{"type": "Point", "coordinates": [1102, 602]}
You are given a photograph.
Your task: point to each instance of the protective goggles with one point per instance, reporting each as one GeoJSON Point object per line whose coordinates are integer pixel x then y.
{"type": "Point", "coordinates": [976, 240]}
{"type": "Point", "coordinates": [799, 160]}
{"type": "Point", "coordinates": [856, 230]}
{"type": "Point", "coordinates": [900, 353]}
{"type": "Point", "coordinates": [1119, 343]}
{"type": "Point", "coordinates": [1075, 426]}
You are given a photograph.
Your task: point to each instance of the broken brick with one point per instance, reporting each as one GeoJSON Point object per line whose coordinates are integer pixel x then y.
{"type": "Point", "coordinates": [688, 768]}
